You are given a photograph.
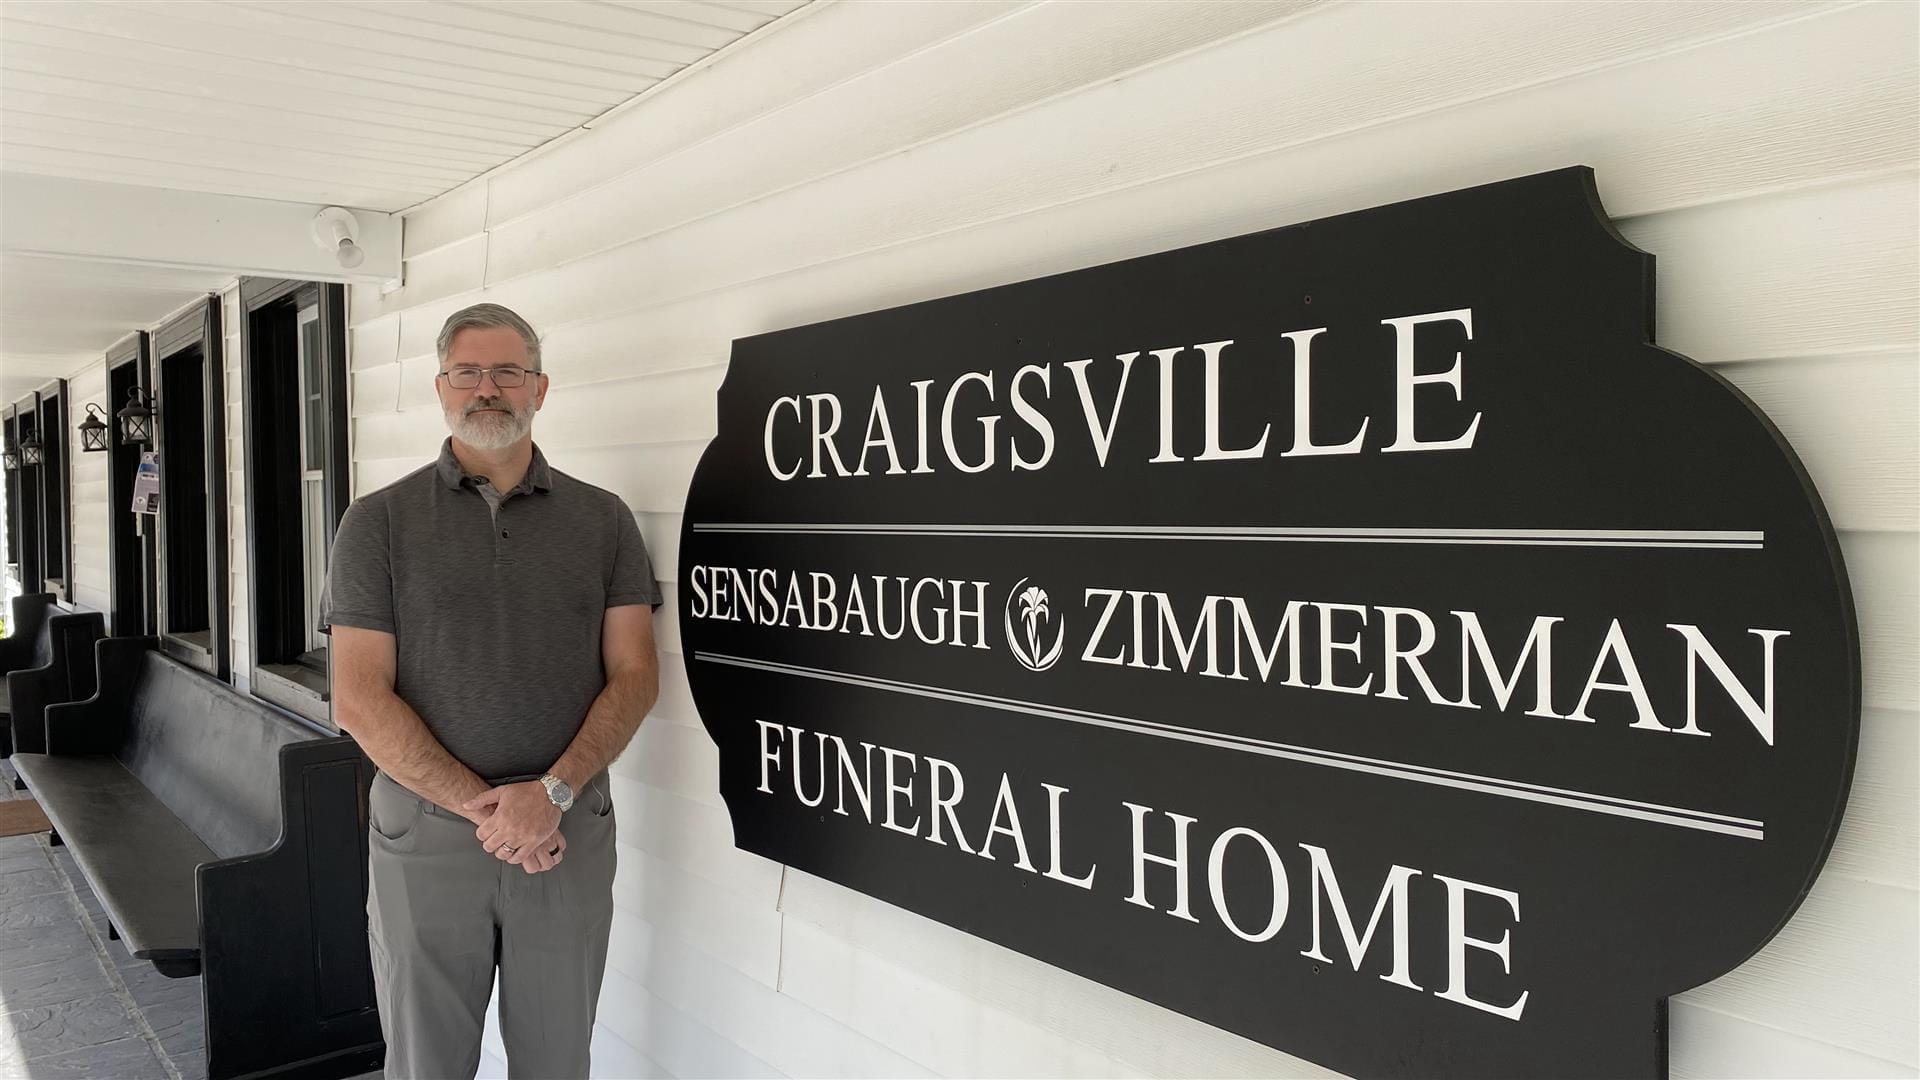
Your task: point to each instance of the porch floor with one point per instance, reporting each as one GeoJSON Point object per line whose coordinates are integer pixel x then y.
{"type": "Point", "coordinates": [73, 1003]}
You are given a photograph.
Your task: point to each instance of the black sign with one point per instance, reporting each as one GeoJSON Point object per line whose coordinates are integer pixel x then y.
{"type": "Point", "coordinates": [1357, 635]}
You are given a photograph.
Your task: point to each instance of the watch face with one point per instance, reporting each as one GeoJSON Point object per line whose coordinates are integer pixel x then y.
{"type": "Point", "coordinates": [560, 792]}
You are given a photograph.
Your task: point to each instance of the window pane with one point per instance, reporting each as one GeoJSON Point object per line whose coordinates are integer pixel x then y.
{"type": "Point", "coordinates": [311, 383]}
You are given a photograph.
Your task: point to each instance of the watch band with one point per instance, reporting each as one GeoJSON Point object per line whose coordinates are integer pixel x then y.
{"type": "Point", "coordinates": [552, 782]}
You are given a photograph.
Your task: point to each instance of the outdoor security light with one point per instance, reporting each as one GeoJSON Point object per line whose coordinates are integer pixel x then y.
{"type": "Point", "coordinates": [93, 430]}
{"type": "Point", "coordinates": [334, 230]}
{"type": "Point", "coordinates": [136, 420]}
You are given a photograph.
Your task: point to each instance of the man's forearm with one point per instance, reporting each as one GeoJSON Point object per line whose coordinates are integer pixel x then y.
{"type": "Point", "coordinates": [616, 714]}
{"type": "Point", "coordinates": [398, 741]}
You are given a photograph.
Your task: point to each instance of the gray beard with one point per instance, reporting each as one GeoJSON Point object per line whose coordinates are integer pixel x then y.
{"type": "Point", "coordinates": [491, 431]}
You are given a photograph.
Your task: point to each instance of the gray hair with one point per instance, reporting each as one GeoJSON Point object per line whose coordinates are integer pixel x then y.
{"type": "Point", "coordinates": [481, 317]}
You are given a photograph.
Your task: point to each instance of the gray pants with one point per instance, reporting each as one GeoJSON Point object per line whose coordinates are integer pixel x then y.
{"type": "Point", "coordinates": [442, 914]}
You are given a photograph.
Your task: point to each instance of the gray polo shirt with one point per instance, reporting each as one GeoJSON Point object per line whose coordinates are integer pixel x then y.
{"type": "Point", "coordinates": [494, 600]}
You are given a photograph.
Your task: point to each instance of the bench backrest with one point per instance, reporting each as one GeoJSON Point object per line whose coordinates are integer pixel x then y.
{"type": "Point", "coordinates": [210, 753]}
{"type": "Point", "coordinates": [70, 639]}
{"type": "Point", "coordinates": [28, 643]}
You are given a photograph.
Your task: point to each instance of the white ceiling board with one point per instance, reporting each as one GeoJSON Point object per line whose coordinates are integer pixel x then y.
{"type": "Point", "coordinates": [376, 104]}
{"type": "Point", "coordinates": [719, 13]}
{"type": "Point", "coordinates": [152, 25]}
{"type": "Point", "coordinates": [279, 107]}
{"type": "Point", "coordinates": [22, 375]}
{"type": "Point", "coordinates": [620, 37]}
{"type": "Point", "coordinates": [59, 315]}
{"type": "Point", "coordinates": [325, 126]}
{"type": "Point", "coordinates": [64, 306]}
{"type": "Point", "coordinates": [347, 76]}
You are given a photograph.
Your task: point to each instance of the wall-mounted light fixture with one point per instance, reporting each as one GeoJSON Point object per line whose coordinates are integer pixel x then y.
{"type": "Point", "coordinates": [31, 453]}
{"type": "Point", "coordinates": [136, 420]}
{"type": "Point", "coordinates": [93, 430]}
{"type": "Point", "coordinates": [10, 457]}
{"type": "Point", "coordinates": [335, 229]}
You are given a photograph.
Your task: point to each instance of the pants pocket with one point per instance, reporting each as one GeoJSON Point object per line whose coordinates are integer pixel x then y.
{"type": "Point", "coordinates": [393, 813]}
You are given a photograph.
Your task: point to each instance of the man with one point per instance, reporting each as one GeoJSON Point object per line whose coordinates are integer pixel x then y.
{"type": "Point", "coordinates": [492, 626]}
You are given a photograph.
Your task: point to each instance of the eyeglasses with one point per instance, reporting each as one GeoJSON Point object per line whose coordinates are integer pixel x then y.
{"type": "Point", "coordinates": [505, 377]}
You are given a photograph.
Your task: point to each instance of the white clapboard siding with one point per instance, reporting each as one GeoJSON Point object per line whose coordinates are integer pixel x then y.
{"type": "Point", "coordinates": [666, 632]}
{"type": "Point", "coordinates": [695, 837]}
{"type": "Point", "coordinates": [785, 1035]}
{"type": "Point", "coordinates": [1885, 570]}
{"type": "Point", "coordinates": [964, 1037]}
{"type": "Point", "coordinates": [675, 758]}
{"type": "Point", "coordinates": [688, 1047]}
{"type": "Point", "coordinates": [727, 926]}
{"type": "Point", "coordinates": [1851, 420]}
{"type": "Point", "coordinates": [88, 509]}
{"type": "Point", "coordinates": [1706, 1044]}
{"type": "Point", "coordinates": [1284, 102]}
{"type": "Point", "coordinates": [869, 155]}
{"type": "Point", "coordinates": [1275, 105]}
{"type": "Point", "coordinates": [1019, 165]}
{"type": "Point", "coordinates": [675, 704]}
{"type": "Point", "coordinates": [1149, 1039]}
{"type": "Point", "coordinates": [1879, 838]}
{"type": "Point", "coordinates": [1842, 971]}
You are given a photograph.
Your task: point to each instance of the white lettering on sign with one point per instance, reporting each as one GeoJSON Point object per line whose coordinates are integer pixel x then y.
{"type": "Point", "coordinates": [1379, 650]}
{"type": "Point", "coordinates": [1248, 878]}
{"type": "Point", "coordinates": [970, 438]}
{"type": "Point", "coordinates": [1357, 644]}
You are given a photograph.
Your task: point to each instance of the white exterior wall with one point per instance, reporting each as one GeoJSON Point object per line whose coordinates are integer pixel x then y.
{"type": "Point", "coordinates": [92, 549]}
{"type": "Point", "coordinates": [860, 156]}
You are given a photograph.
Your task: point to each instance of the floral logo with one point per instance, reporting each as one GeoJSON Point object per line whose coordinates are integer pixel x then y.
{"type": "Point", "coordinates": [1034, 617]}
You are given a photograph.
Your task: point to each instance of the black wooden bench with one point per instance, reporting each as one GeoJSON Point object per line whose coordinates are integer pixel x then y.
{"type": "Point", "coordinates": [66, 675]}
{"type": "Point", "coordinates": [25, 646]}
{"type": "Point", "coordinates": [228, 839]}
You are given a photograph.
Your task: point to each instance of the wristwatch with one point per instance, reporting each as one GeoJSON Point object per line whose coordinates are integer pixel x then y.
{"type": "Point", "coordinates": [559, 791]}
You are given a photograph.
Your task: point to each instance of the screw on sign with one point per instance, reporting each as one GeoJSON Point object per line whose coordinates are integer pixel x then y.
{"type": "Point", "coordinates": [1430, 679]}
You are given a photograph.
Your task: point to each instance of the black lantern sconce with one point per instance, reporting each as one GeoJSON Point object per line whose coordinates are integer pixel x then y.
{"type": "Point", "coordinates": [93, 430]}
{"type": "Point", "coordinates": [11, 456]}
{"type": "Point", "coordinates": [30, 450]}
{"type": "Point", "coordinates": [136, 420]}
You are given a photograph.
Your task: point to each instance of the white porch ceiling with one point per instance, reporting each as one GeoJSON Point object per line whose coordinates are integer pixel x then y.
{"type": "Point", "coordinates": [376, 105]}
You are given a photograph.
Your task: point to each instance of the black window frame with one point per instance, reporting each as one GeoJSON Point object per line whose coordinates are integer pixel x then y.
{"type": "Point", "coordinates": [55, 480]}
{"type": "Point", "coordinates": [131, 555]}
{"type": "Point", "coordinates": [16, 566]}
{"type": "Point", "coordinates": [284, 672]}
{"type": "Point", "coordinates": [24, 500]}
{"type": "Point", "coordinates": [197, 327]}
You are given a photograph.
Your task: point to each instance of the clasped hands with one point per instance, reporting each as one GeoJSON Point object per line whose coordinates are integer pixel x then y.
{"type": "Point", "coordinates": [518, 824]}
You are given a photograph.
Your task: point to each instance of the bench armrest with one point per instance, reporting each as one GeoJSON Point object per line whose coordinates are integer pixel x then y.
{"type": "Point", "coordinates": [298, 984]}
{"type": "Point", "coordinates": [28, 694]}
{"type": "Point", "coordinates": [98, 725]}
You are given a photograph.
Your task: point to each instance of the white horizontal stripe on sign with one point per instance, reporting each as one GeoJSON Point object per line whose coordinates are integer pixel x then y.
{"type": "Point", "coordinates": [1683, 817]}
{"type": "Point", "coordinates": [1641, 538]}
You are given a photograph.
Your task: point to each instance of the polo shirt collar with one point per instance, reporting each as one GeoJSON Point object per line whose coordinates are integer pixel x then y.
{"type": "Point", "coordinates": [539, 476]}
